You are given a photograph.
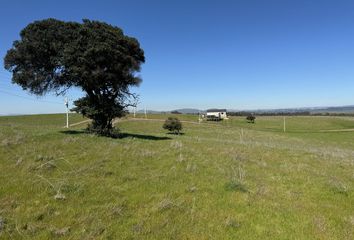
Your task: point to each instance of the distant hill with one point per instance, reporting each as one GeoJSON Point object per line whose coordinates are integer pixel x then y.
{"type": "Point", "coordinates": [188, 110]}
{"type": "Point", "coordinates": [312, 110]}
{"type": "Point", "coordinates": [343, 109]}
{"type": "Point", "coordinates": [149, 111]}
{"type": "Point", "coordinates": [182, 110]}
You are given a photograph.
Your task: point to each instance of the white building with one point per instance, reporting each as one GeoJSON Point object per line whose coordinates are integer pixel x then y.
{"type": "Point", "coordinates": [216, 114]}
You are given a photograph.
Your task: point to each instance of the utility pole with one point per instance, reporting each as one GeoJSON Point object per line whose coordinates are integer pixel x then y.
{"type": "Point", "coordinates": [145, 113]}
{"type": "Point", "coordinates": [200, 117]}
{"type": "Point", "coordinates": [134, 110]}
{"type": "Point", "coordinates": [284, 124]}
{"type": "Point", "coordinates": [67, 112]}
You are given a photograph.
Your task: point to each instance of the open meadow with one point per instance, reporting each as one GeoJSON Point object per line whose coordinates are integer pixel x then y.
{"type": "Point", "coordinates": [217, 180]}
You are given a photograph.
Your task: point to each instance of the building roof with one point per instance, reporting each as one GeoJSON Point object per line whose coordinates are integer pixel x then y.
{"type": "Point", "coordinates": [216, 110]}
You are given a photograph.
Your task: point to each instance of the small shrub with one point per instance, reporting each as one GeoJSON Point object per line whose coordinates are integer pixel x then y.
{"type": "Point", "coordinates": [173, 125]}
{"type": "Point", "coordinates": [251, 118]}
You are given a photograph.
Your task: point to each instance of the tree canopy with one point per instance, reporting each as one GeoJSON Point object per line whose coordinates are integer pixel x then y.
{"type": "Point", "coordinates": [54, 55]}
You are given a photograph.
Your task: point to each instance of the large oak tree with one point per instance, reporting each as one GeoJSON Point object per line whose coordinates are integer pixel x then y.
{"type": "Point", "coordinates": [94, 56]}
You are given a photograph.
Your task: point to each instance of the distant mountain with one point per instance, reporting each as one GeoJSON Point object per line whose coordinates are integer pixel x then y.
{"type": "Point", "coordinates": [149, 111]}
{"type": "Point", "coordinates": [182, 110]}
{"type": "Point", "coordinates": [188, 110]}
{"type": "Point", "coordinates": [340, 109]}
{"type": "Point", "coordinates": [343, 109]}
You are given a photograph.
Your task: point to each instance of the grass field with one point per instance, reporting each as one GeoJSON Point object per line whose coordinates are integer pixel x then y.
{"type": "Point", "coordinates": [228, 180]}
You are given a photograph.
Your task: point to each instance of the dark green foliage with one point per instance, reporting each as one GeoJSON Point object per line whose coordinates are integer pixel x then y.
{"type": "Point", "coordinates": [173, 125]}
{"type": "Point", "coordinates": [96, 57]}
{"type": "Point", "coordinates": [251, 118]}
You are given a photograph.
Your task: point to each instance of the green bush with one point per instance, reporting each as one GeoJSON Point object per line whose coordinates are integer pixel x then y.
{"type": "Point", "coordinates": [173, 125]}
{"type": "Point", "coordinates": [251, 118]}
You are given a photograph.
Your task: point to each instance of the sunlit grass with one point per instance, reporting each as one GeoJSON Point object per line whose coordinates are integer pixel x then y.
{"type": "Point", "coordinates": [214, 182]}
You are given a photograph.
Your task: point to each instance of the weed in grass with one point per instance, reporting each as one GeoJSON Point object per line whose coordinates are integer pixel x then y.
{"type": "Point", "coordinates": [5, 142]}
{"type": "Point", "coordinates": [118, 211]}
{"type": "Point", "coordinates": [47, 166]}
{"type": "Point", "coordinates": [39, 217]}
{"type": "Point", "coordinates": [2, 224]}
{"type": "Point", "coordinates": [61, 232]}
{"type": "Point", "coordinates": [192, 189]}
{"type": "Point", "coordinates": [45, 212]}
{"type": "Point", "coordinates": [262, 191]}
{"type": "Point", "coordinates": [180, 158]}
{"type": "Point", "coordinates": [241, 135]}
{"type": "Point", "coordinates": [351, 220]}
{"type": "Point", "coordinates": [138, 228]}
{"type": "Point", "coordinates": [19, 161]}
{"type": "Point", "coordinates": [235, 186]}
{"type": "Point", "coordinates": [320, 224]}
{"type": "Point", "coordinates": [193, 209]}
{"type": "Point", "coordinates": [108, 173]}
{"type": "Point", "coordinates": [8, 203]}
{"type": "Point", "coordinates": [191, 167]}
{"type": "Point", "coordinates": [15, 140]}
{"type": "Point", "coordinates": [129, 178]}
{"type": "Point", "coordinates": [75, 188]}
{"type": "Point", "coordinates": [339, 187]}
{"type": "Point", "coordinates": [232, 223]}
{"type": "Point", "coordinates": [164, 205]}
{"type": "Point", "coordinates": [70, 139]}
{"type": "Point", "coordinates": [176, 144]}
{"type": "Point", "coordinates": [237, 180]}
{"type": "Point", "coordinates": [59, 196]}
{"type": "Point", "coordinates": [239, 158]}
{"type": "Point", "coordinates": [30, 228]}
{"type": "Point", "coordinates": [41, 158]}
{"type": "Point", "coordinates": [147, 153]}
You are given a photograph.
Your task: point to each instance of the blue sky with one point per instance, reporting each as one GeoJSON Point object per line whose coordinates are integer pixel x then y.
{"type": "Point", "coordinates": [248, 54]}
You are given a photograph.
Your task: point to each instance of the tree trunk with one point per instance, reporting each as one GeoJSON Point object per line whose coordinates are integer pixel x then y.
{"type": "Point", "coordinates": [102, 125]}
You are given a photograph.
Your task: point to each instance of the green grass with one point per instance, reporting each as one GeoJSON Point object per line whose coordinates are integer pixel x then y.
{"type": "Point", "coordinates": [295, 123]}
{"type": "Point", "coordinates": [214, 182]}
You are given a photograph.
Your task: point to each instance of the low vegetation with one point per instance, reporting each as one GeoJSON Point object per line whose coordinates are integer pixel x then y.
{"type": "Point", "coordinates": [173, 125]}
{"type": "Point", "coordinates": [251, 118]}
{"type": "Point", "coordinates": [220, 180]}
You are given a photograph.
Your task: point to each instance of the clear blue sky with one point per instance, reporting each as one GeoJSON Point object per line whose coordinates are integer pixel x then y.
{"type": "Point", "coordinates": [201, 54]}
